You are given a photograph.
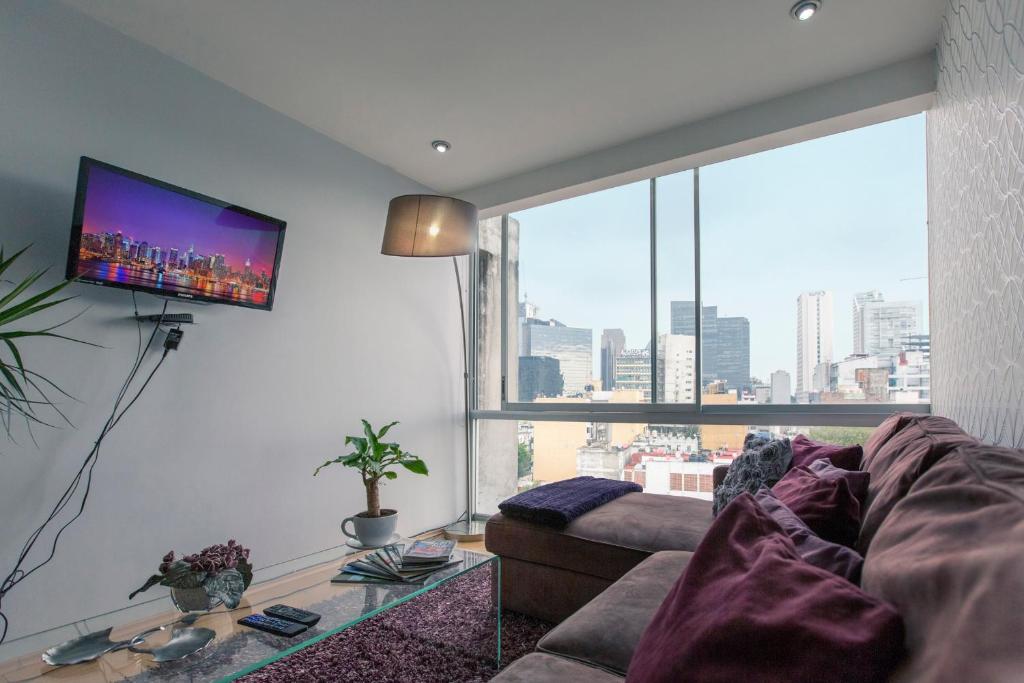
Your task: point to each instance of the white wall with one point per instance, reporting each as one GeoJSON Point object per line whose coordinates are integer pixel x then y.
{"type": "Point", "coordinates": [224, 443]}
{"type": "Point", "coordinates": [976, 220]}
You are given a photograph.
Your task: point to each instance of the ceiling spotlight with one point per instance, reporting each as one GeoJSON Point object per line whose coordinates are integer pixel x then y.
{"type": "Point", "coordinates": [805, 9]}
{"type": "Point", "coordinates": [441, 146]}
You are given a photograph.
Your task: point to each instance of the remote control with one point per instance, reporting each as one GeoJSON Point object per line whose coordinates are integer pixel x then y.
{"type": "Point", "coordinates": [295, 614]}
{"type": "Point", "coordinates": [279, 627]}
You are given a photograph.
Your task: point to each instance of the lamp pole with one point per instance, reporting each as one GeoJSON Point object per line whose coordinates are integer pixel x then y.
{"type": "Point", "coordinates": [467, 530]}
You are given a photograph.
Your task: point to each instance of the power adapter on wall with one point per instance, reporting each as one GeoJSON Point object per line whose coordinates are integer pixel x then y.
{"type": "Point", "coordinates": [173, 339]}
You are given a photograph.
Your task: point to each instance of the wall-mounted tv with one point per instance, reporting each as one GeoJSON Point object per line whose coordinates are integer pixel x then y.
{"type": "Point", "coordinates": [139, 233]}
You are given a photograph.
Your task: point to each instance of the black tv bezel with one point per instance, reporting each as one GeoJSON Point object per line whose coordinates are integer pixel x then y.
{"type": "Point", "coordinates": [71, 271]}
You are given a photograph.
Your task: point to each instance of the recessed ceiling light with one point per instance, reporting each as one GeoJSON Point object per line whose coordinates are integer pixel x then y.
{"type": "Point", "coordinates": [805, 9]}
{"type": "Point", "coordinates": [441, 146]}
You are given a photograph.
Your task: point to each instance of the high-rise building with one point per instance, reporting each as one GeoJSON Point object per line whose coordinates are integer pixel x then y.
{"type": "Point", "coordinates": [881, 326]}
{"type": "Point", "coordinates": [633, 372]}
{"type": "Point", "coordinates": [572, 346]}
{"type": "Point", "coordinates": [172, 257]}
{"type": "Point", "coordinates": [732, 353]}
{"type": "Point", "coordinates": [612, 343]}
{"type": "Point", "coordinates": [676, 381]}
{"type": "Point", "coordinates": [782, 391]}
{"type": "Point", "coordinates": [156, 256]}
{"type": "Point", "coordinates": [725, 343]}
{"type": "Point", "coordinates": [813, 338]}
{"type": "Point", "coordinates": [539, 376]}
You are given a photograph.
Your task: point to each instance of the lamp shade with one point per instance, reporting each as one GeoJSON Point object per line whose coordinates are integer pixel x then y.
{"type": "Point", "coordinates": [429, 225]}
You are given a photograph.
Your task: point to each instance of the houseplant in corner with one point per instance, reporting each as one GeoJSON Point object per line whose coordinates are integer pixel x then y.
{"type": "Point", "coordinates": [375, 459]}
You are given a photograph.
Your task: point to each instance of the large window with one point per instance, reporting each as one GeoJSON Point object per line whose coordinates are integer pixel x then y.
{"type": "Point", "coordinates": [787, 287]}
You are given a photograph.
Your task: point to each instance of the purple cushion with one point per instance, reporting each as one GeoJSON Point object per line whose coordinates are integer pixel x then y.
{"type": "Point", "coordinates": [815, 550]}
{"type": "Point", "coordinates": [747, 608]}
{"type": "Point", "coordinates": [559, 503]}
{"type": "Point", "coordinates": [827, 506]}
{"type": "Point", "coordinates": [806, 451]}
{"type": "Point", "coordinates": [857, 480]}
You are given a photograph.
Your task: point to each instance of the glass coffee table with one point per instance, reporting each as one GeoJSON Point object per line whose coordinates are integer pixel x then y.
{"type": "Point", "coordinates": [238, 650]}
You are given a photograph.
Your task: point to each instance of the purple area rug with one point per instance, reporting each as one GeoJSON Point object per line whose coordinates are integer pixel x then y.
{"type": "Point", "coordinates": [442, 636]}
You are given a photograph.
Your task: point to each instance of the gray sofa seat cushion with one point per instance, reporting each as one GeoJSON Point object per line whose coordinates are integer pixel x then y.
{"type": "Point", "coordinates": [609, 541]}
{"type": "Point", "coordinates": [542, 668]}
{"type": "Point", "coordinates": [605, 631]}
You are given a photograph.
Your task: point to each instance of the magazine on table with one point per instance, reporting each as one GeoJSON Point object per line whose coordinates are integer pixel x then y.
{"type": "Point", "coordinates": [428, 552]}
{"type": "Point", "coordinates": [388, 565]}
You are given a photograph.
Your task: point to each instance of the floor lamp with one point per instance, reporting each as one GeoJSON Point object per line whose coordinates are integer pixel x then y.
{"type": "Point", "coordinates": [423, 225]}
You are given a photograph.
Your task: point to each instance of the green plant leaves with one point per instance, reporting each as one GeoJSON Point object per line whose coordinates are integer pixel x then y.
{"type": "Point", "coordinates": [376, 459]}
{"type": "Point", "coordinates": [21, 395]}
{"type": "Point", "coordinates": [150, 582]}
{"type": "Point", "coordinates": [415, 465]}
{"type": "Point", "coordinates": [245, 569]}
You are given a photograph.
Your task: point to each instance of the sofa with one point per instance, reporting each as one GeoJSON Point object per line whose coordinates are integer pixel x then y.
{"type": "Point", "coordinates": [942, 536]}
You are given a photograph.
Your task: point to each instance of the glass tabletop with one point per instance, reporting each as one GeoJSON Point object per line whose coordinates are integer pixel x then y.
{"type": "Point", "coordinates": [239, 650]}
{"type": "Point", "coordinates": [245, 650]}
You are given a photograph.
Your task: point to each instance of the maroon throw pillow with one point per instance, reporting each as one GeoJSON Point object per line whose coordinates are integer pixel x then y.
{"type": "Point", "coordinates": [806, 451]}
{"type": "Point", "coordinates": [813, 549]}
{"type": "Point", "coordinates": [827, 506]}
{"type": "Point", "coordinates": [857, 480]}
{"type": "Point", "coordinates": [747, 608]}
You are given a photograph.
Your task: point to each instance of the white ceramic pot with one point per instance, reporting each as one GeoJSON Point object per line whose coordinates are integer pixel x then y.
{"type": "Point", "coordinates": [372, 532]}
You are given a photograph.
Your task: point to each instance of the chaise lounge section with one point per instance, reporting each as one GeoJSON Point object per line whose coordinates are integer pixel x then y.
{"type": "Point", "coordinates": [550, 573]}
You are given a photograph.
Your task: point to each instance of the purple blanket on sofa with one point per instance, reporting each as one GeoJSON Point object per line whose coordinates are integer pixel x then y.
{"type": "Point", "coordinates": [559, 503]}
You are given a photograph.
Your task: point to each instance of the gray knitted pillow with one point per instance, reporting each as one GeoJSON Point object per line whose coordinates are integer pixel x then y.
{"type": "Point", "coordinates": [762, 463]}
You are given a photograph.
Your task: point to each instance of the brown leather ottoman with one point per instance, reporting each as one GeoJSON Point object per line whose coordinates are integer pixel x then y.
{"type": "Point", "coordinates": [550, 573]}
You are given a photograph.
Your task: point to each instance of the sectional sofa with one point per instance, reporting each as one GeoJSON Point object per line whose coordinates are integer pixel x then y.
{"type": "Point", "coordinates": [942, 536]}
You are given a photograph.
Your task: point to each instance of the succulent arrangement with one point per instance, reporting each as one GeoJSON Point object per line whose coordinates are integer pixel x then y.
{"type": "Point", "coordinates": [223, 571]}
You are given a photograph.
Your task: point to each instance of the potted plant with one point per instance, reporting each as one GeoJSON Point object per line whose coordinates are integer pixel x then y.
{"type": "Point", "coordinates": [199, 581]}
{"type": "Point", "coordinates": [375, 459]}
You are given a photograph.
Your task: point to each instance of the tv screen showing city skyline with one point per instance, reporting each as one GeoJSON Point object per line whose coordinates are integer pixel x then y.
{"type": "Point", "coordinates": [141, 234]}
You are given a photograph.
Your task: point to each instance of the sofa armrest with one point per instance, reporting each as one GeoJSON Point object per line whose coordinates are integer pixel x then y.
{"type": "Point", "coordinates": [718, 475]}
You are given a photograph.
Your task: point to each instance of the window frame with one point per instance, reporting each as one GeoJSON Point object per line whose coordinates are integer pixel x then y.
{"type": "Point", "coordinates": [696, 413]}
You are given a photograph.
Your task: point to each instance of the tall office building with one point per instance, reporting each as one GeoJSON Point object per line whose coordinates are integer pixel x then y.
{"type": "Point", "coordinates": [782, 390]}
{"type": "Point", "coordinates": [732, 359]}
{"type": "Point", "coordinates": [633, 372]}
{"type": "Point", "coordinates": [612, 343]}
{"type": "Point", "coordinates": [813, 337]}
{"type": "Point", "coordinates": [573, 347]}
{"type": "Point", "coordinates": [539, 376]}
{"type": "Point", "coordinates": [881, 327]}
{"type": "Point", "coordinates": [725, 342]}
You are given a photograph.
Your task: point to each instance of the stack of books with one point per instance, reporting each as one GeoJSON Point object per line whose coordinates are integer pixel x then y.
{"type": "Point", "coordinates": [397, 563]}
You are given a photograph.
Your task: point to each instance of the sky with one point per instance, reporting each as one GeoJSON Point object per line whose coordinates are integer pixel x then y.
{"type": "Point", "coordinates": [167, 219]}
{"type": "Point", "coordinates": [845, 213]}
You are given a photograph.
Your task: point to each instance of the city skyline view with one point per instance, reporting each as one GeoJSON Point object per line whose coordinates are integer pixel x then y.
{"type": "Point", "coordinates": [770, 226]}
{"type": "Point", "coordinates": [161, 218]}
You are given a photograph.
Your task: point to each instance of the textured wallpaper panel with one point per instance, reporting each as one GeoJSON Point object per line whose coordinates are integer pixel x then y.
{"type": "Point", "coordinates": [976, 217]}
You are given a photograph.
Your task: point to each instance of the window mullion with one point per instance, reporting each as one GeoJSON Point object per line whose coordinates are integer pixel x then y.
{"type": "Point", "coordinates": [504, 310]}
{"type": "Point", "coordinates": [654, 290]}
{"type": "Point", "coordinates": [698, 314]}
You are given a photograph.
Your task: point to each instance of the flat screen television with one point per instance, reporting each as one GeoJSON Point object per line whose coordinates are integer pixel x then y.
{"type": "Point", "coordinates": [135, 232]}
